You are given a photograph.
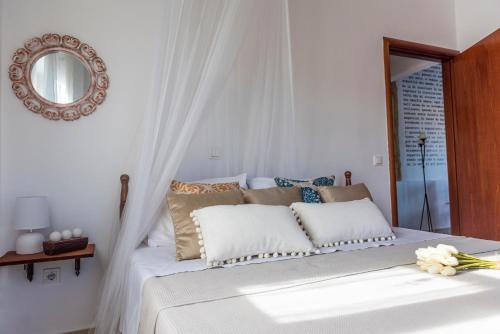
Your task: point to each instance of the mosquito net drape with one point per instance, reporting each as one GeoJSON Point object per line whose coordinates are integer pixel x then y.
{"type": "Point", "coordinates": [224, 75]}
{"type": "Point", "coordinates": [252, 124]}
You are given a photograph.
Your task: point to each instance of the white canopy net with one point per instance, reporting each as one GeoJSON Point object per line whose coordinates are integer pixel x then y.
{"type": "Point", "coordinates": [224, 76]}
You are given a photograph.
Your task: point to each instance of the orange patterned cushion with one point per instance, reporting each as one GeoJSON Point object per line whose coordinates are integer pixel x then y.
{"type": "Point", "coordinates": [202, 188]}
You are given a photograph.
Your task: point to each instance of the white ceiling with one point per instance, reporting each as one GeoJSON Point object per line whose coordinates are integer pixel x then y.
{"type": "Point", "coordinates": [402, 67]}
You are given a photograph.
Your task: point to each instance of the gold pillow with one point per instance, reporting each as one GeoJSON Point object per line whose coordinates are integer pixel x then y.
{"type": "Point", "coordinates": [272, 196]}
{"type": "Point", "coordinates": [344, 194]}
{"type": "Point", "coordinates": [181, 206]}
{"type": "Point", "coordinates": [201, 188]}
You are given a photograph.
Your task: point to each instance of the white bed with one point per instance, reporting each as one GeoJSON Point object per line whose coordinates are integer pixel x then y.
{"type": "Point", "coordinates": [150, 262]}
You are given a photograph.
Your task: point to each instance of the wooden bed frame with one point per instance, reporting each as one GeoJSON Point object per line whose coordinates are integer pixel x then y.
{"type": "Point", "coordinates": [124, 179]}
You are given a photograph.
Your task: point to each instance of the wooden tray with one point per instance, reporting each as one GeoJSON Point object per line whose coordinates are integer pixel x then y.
{"type": "Point", "coordinates": [64, 246]}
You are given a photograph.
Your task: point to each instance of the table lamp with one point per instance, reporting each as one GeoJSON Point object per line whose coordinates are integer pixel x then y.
{"type": "Point", "coordinates": [31, 213]}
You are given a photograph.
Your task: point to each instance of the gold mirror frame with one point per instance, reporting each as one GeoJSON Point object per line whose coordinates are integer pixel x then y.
{"type": "Point", "coordinates": [35, 48]}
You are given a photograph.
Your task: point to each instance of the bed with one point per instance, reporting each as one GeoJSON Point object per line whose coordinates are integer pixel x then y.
{"type": "Point", "coordinates": [362, 288]}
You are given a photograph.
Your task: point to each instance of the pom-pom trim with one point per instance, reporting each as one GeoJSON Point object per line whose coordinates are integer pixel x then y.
{"type": "Point", "coordinates": [355, 241]}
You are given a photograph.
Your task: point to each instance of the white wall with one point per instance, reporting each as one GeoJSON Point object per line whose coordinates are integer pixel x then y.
{"type": "Point", "coordinates": [475, 20]}
{"type": "Point", "coordinates": [76, 164]}
{"type": "Point", "coordinates": [339, 79]}
{"type": "Point", "coordinates": [340, 100]}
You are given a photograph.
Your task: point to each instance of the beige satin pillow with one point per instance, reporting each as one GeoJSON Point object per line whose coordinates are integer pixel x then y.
{"type": "Point", "coordinates": [272, 196]}
{"type": "Point", "coordinates": [179, 187]}
{"type": "Point", "coordinates": [344, 194]}
{"type": "Point", "coordinates": [181, 206]}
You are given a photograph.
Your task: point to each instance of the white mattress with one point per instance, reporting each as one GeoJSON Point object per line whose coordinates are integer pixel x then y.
{"type": "Point", "coordinates": [160, 261]}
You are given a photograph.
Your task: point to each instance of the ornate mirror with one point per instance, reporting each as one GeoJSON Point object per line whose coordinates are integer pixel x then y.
{"type": "Point", "coordinates": [58, 77]}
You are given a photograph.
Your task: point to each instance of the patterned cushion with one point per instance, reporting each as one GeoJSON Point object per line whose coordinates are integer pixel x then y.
{"type": "Point", "coordinates": [307, 187]}
{"type": "Point", "coordinates": [202, 188]}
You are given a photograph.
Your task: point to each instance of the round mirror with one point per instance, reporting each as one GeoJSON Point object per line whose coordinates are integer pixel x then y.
{"type": "Point", "coordinates": [60, 77]}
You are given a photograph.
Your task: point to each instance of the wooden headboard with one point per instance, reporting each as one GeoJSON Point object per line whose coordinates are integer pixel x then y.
{"type": "Point", "coordinates": [124, 179]}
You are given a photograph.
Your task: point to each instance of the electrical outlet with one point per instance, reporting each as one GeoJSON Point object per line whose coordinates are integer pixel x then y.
{"type": "Point", "coordinates": [51, 275]}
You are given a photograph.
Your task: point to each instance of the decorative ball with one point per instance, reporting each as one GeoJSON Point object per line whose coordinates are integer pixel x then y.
{"type": "Point", "coordinates": [55, 236]}
{"type": "Point", "coordinates": [77, 233]}
{"type": "Point", "coordinates": [66, 234]}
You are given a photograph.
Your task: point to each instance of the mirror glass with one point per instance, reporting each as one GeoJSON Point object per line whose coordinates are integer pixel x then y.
{"type": "Point", "coordinates": [60, 77]}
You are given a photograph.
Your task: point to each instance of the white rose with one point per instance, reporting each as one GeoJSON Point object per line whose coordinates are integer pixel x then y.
{"type": "Point", "coordinates": [421, 254]}
{"type": "Point", "coordinates": [424, 253]}
{"type": "Point", "coordinates": [437, 258]}
{"type": "Point", "coordinates": [435, 268]}
{"type": "Point", "coordinates": [423, 265]}
{"type": "Point", "coordinates": [448, 248]}
{"type": "Point", "coordinates": [450, 261]}
{"type": "Point", "coordinates": [448, 271]}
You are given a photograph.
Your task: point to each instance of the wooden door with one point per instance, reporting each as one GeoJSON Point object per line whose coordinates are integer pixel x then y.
{"type": "Point", "coordinates": [476, 104]}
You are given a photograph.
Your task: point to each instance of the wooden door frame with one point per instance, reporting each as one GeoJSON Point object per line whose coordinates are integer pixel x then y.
{"type": "Point", "coordinates": [399, 47]}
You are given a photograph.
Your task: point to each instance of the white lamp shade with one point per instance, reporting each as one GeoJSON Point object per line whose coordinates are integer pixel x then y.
{"type": "Point", "coordinates": [31, 213]}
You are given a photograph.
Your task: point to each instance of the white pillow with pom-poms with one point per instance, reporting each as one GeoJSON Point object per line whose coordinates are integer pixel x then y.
{"type": "Point", "coordinates": [339, 223]}
{"type": "Point", "coordinates": [235, 233]}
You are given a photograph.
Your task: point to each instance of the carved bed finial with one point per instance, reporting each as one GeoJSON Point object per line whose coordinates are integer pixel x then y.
{"type": "Point", "coordinates": [348, 175]}
{"type": "Point", "coordinates": [124, 178]}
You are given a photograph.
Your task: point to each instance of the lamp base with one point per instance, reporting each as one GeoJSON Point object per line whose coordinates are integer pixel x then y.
{"type": "Point", "coordinates": [29, 243]}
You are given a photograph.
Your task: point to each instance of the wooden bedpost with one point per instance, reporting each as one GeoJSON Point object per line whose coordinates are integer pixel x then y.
{"type": "Point", "coordinates": [124, 178]}
{"type": "Point", "coordinates": [348, 175]}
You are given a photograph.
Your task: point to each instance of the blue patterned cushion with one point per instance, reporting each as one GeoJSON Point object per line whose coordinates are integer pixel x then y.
{"type": "Point", "coordinates": [307, 187]}
{"type": "Point", "coordinates": [309, 195]}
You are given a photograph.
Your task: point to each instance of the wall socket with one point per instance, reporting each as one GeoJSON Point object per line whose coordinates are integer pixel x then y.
{"type": "Point", "coordinates": [51, 275]}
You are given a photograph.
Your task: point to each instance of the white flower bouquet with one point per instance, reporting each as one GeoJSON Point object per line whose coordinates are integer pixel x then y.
{"type": "Point", "coordinates": [447, 260]}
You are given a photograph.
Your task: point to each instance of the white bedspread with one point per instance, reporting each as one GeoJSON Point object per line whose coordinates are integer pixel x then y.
{"type": "Point", "coordinates": [160, 261]}
{"type": "Point", "coordinates": [374, 291]}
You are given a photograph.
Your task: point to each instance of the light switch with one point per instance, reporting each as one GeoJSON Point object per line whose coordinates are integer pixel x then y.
{"type": "Point", "coordinates": [378, 160]}
{"type": "Point", "coordinates": [214, 153]}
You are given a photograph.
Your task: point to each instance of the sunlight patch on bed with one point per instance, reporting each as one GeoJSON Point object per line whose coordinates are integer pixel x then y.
{"type": "Point", "coordinates": [286, 284]}
{"type": "Point", "coordinates": [487, 325]}
{"type": "Point", "coordinates": [357, 294]}
{"type": "Point", "coordinates": [490, 274]}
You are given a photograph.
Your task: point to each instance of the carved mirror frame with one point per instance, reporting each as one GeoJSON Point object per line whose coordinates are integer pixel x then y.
{"type": "Point", "coordinates": [35, 48]}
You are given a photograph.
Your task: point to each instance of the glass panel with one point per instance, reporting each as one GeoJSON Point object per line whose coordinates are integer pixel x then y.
{"type": "Point", "coordinates": [60, 77]}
